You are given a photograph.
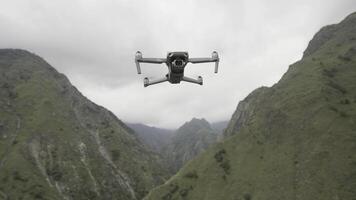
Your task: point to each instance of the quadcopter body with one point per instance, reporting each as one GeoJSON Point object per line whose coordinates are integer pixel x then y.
{"type": "Point", "coordinates": [176, 62]}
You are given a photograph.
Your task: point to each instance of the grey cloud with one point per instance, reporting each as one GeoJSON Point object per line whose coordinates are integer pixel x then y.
{"type": "Point", "coordinates": [93, 43]}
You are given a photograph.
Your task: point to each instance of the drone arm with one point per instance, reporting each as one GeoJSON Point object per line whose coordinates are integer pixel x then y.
{"type": "Point", "coordinates": [192, 80]}
{"type": "Point", "coordinates": [214, 58]}
{"type": "Point", "coordinates": [201, 60]}
{"type": "Point", "coordinates": [139, 59]}
{"type": "Point", "coordinates": [147, 82]}
{"type": "Point", "coordinates": [152, 60]}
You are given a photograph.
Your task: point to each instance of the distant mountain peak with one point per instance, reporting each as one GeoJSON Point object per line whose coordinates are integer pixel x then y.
{"type": "Point", "coordinates": [199, 123]}
{"type": "Point", "coordinates": [191, 139]}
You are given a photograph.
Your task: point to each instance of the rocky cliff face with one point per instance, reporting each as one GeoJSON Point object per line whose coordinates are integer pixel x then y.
{"type": "Point", "coordinates": [244, 111]}
{"type": "Point", "coordinates": [56, 144]}
{"type": "Point", "coordinates": [295, 140]}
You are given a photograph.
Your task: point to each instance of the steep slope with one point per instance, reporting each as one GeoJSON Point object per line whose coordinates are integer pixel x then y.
{"type": "Point", "coordinates": [189, 140]}
{"type": "Point", "coordinates": [155, 138]}
{"type": "Point", "coordinates": [56, 144]}
{"type": "Point", "coordinates": [295, 140]}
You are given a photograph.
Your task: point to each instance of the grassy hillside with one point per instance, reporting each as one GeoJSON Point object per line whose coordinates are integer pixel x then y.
{"type": "Point", "coordinates": [295, 140]}
{"type": "Point", "coordinates": [56, 144]}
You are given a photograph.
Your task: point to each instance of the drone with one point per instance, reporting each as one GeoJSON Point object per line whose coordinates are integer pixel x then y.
{"type": "Point", "coordinates": [176, 62]}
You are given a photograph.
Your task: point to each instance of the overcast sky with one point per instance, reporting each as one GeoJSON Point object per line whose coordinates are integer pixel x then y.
{"type": "Point", "coordinates": [93, 42]}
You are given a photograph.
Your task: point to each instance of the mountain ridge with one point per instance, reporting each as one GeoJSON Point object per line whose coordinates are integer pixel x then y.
{"type": "Point", "coordinates": [56, 144]}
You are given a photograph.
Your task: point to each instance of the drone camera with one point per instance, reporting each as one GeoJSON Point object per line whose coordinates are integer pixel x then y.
{"type": "Point", "coordinates": [178, 62]}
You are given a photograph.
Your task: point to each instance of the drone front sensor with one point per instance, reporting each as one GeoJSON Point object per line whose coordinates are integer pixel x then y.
{"type": "Point", "coordinates": [176, 62]}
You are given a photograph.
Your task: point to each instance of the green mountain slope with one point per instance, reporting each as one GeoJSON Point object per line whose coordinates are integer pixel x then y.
{"type": "Point", "coordinates": [56, 144]}
{"type": "Point", "coordinates": [189, 140]}
{"type": "Point", "coordinates": [295, 140]}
